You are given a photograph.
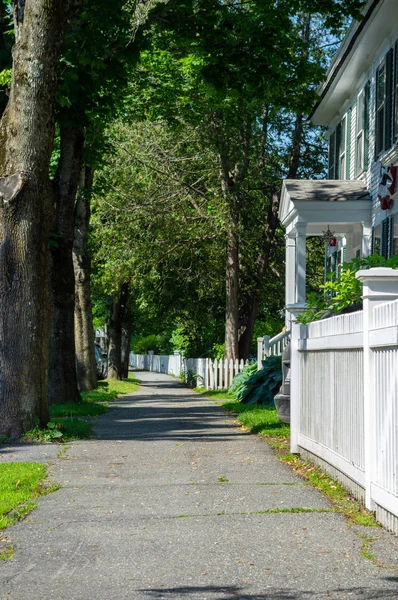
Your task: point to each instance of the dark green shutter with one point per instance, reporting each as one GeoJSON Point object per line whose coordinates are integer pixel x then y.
{"type": "Point", "coordinates": [344, 254]}
{"type": "Point", "coordinates": [388, 103]}
{"type": "Point", "coordinates": [338, 144]}
{"type": "Point", "coordinates": [391, 236]}
{"type": "Point", "coordinates": [348, 148]}
{"type": "Point", "coordinates": [377, 150]}
{"type": "Point", "coordinates": [394, 97]}
{"type": "Point", "coordinates": [366, 132]}
{"type": "Point", "coordinates": [384, 238]}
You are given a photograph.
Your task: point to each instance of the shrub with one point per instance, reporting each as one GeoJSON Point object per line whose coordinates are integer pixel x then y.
{"type": "Point", "coordinates": [343, 290]}
{"type": "Point", "coordinates": [261, 386]}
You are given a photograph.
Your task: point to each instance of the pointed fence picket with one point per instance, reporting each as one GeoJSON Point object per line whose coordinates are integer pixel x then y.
{"type": "Point", "coordinates": [220, 373]}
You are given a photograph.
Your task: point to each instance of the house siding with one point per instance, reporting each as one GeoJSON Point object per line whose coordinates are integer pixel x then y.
{"type": "Point", "coordinates": [371, 177]}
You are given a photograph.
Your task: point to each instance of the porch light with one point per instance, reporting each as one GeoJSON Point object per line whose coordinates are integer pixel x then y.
{"type": "Point", "coordinates": [328, 236]}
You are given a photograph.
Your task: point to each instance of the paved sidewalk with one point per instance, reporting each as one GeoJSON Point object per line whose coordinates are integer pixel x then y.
{"type": "Point", "coordinates": [169, 503]}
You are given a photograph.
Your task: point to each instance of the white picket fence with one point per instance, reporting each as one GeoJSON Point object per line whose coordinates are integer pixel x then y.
{"type": "Point", "coordinates": [220, 373]}
{"type": "Point", "coordinates": [158, 363]}
{"type": "Point", "coordinates": [211, 374]}
{"type": "Point", "coordinates": [267, 346]}
{"type": "Point", "coordinates": [344, 395]}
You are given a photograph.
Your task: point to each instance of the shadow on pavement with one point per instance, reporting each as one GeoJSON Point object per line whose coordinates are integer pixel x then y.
{"type": "Point", "coordinates": [237, 593]}
{"type": "Point", "coordinates": [147, 422]}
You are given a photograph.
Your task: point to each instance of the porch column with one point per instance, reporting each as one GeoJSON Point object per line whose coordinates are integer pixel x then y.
{"type": "Point", "coordinates": [290, 273]}
{"type": "Point", "coordinates": [349, 238]}
{"type": "Point", "coordinates": [366, 248]}
{"type": "Point", "coordinates": [301, 227]}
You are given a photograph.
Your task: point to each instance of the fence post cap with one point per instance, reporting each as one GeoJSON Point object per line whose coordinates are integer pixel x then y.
{"type": "Point", "coordinates": [382, 273]}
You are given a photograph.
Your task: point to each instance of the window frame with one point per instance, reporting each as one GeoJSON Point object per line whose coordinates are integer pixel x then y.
{"type": "Point", "coordinates": [342, 151]}
{"type": "Point", "coordinates": [332, 156]}
{"type": "Point", "coordinates": [360, 134]}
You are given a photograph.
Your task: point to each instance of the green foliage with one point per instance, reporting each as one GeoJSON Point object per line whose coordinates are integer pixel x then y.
{"type": "Point", "coordinates": [192, 379]}
{"type": "Point", "coordinates": [343, 290]}
{"type": "Point", "coordinates": [239, 381]}
{"type": "Point", "coordinates": [158, 343]}
{"type": "Point", "coordinates": [218, 351]}
{"type": "Point", "coordinates": [263, 385]}
{"type": "Point", "coordinates": [5, 77]}
{"type": "Point", "coordinates": [259, 419]}
{"type": "Point", "coordinates": [20, 483]}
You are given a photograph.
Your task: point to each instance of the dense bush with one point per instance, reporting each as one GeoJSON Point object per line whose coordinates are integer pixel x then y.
{"type": "Point", "coordinates": [258, 386]}
{"type": "Point", "coordinates": [343, 290]}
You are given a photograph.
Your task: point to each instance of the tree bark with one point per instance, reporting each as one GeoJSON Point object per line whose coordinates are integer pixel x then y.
{"type": "Point", "coordinates": [84, 330]}
{"type": "Point", "coordinates": [26, 213]}
{"type": "Point", "coordinates": [232, 295]}
{"type": "Point", "coordinates": [62, 364]}
{"type": "Point", "coordinates": [247, 319]}
{"type": "Point", "coordinates": [126, 339]}
{"type": "Point", "coordinates": [115, 333]}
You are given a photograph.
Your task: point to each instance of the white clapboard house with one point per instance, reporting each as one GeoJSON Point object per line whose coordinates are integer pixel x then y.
{"type": "Point", "coordinates": [359, 105]}
{"type": "Point", "coordinates": [344, 369]}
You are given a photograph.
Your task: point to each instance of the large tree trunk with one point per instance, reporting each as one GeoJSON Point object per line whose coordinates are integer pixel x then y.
{"type": "Point", "coordinates": [247, 319]}
{"type": "Point", "coordinates": [232, 295]}
{"type": "Point", "coordinates": [84, 330]}
{"type": "Point", "coordinates": [115, 333]}
{"type": "Point", "coordinates": [26, 213]}
{"type": "Point", "coordinates": [62, 366]}
{"type": "Point", "coordinates": [127, 325]}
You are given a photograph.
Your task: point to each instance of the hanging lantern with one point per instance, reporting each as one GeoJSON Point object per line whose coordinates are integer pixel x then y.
{"type": "Point", "coordinates": [333, 242]}
{"type": "Point", "coordinates": [328, 236]}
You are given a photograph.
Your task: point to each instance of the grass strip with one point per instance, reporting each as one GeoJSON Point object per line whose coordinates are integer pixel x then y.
{"type": "Point", "coordinates": [20, 484]}
{"type": "Point", "coordinates": [263, 421]}
{"type": "Point", "coordinates": [70, 421]}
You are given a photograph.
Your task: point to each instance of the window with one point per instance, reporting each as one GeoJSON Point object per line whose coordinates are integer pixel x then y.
{"type": "Point", "coordinates": [393, 236]}
{"type": "Point", "coordinates": [332, 156]}
{"type": "Point", "coordinates": [385, 238]}
{"type": "Point", "coordinates": [342, 149]}
{"type": "Point", "coordinates": [376, 242]}
{"type": "Point", "coordinates": [360, 139]}
{"type": "Point", "coordinates": [380, 106]}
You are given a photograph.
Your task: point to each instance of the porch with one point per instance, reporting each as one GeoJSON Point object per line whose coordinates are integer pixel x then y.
{"type": "Point", "coordinates": [311, 208]}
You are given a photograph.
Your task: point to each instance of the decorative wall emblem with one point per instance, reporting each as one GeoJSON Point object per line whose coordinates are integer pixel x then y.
{"type": "Point", "coordinates": [387, 186]}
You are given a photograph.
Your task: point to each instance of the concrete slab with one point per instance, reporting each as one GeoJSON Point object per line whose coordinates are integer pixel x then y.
{"type": "Point", "coordinates": [153, 508]}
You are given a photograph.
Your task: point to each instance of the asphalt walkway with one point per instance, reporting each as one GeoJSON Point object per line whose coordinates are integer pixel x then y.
{"type": "Point", "coordinates": [170, 501]}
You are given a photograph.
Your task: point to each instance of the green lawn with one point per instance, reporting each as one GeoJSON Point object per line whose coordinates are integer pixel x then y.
{"type": "Point", "coordinates": [259, 419]}
{"type": "Point", "coordinates": [20, 484]}
{"type": "Point", "coordinates": [262, 420]}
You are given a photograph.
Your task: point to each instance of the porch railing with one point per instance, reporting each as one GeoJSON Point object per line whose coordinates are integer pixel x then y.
{"type": "Point", "coordinates": [267, 346]}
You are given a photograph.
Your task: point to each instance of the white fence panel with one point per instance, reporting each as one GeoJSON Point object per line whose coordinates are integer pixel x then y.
{"type": "Point", "coordinates": [158, 363]}
{"type": "Point", "coordinates": [331, 412]}
{"type": "Point", "coordinates": [344, 394]}
{"type": "Point", "coordinates": [213, 375]}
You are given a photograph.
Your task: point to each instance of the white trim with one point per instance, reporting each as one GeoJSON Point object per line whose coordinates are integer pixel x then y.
{"type": "Point", "coordinates": [386, 336]}
{"type": "Point", "coordinates": [332, 342]}
{"type": "Point", "coordinates": [384, 498]}
{"type": "Point", "coordinates": [336, 460]}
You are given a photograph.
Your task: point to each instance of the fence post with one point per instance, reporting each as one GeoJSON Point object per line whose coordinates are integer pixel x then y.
{"type": "Point", "coordinates": [380, 285]}
{"type": "Point", "coordinates": [260, 344]}
{"type": "Point", "coordinates": [295, 387]}
{"type": "Point", "coordinates": [266, 346]}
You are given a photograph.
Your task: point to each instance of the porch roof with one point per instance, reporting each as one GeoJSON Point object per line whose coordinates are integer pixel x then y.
{"type": "Point", "coordinates": [312, 201]}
